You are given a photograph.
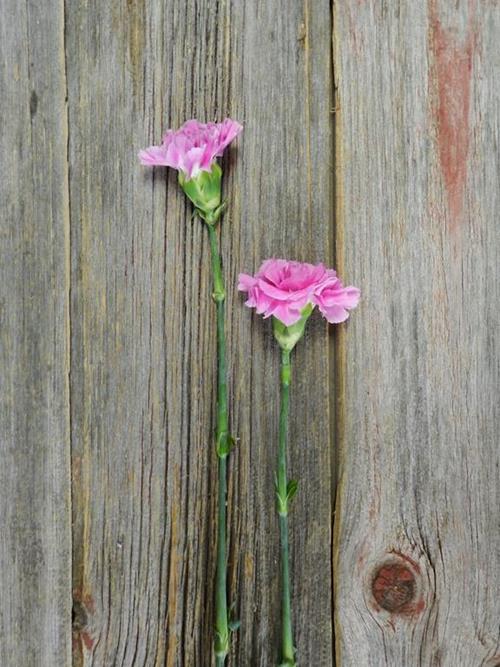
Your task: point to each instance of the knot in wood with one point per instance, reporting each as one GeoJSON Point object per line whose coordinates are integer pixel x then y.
{"type": "Point", "coordinates": [394, 587]}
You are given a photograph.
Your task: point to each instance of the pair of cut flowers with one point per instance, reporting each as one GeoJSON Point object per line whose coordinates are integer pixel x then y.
{"type": "Point", "coordinates": [288, 291]}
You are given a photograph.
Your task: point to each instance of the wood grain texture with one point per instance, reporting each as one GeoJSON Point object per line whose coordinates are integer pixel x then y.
{"type": "Point", "coordinates": [143, 343]}
{"type": "Point", "coordinates": [108, 346]}
{"type": "Point", "coordinates": [417, 539]}
{"type": "Point", "coordinates": [35, 544]}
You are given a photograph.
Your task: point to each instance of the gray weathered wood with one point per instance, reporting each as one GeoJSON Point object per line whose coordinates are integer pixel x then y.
{"type": "Point", "coordinates": [143, 345]}
{"type": "Point", "coordinates": [35, 543]}
{"type": "Point", "coordinates": [418, 201]}
{"type": "Point", "coordinates": [283, 94]}
{"type": "Point", "coordinates": [112, 283]}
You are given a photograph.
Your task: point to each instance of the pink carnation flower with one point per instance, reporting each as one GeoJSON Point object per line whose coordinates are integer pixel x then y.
{"type": "Point", "coordinates": [284, 288]}
{"type": "Point", "coordinates": [193, 148]}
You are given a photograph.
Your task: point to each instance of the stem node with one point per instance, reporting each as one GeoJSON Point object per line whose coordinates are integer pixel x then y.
{"type": "Point", "coordinates": [218, 296]}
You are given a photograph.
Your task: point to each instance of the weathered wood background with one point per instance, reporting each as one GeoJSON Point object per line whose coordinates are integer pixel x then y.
{"type": "Point", "coordinates": [380, 155]}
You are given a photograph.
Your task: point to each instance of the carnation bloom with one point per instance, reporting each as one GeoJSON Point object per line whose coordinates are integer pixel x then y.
{"type": "Point", "coordinates": [193, 148]}
{"type": "Point", "coordinates": [284, 288]}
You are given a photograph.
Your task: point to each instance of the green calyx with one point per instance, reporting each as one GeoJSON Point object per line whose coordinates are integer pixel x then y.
{"type": "Point", "coordinates": [288, 337]}
{"type": "Point", "coordinates": [204, 191]}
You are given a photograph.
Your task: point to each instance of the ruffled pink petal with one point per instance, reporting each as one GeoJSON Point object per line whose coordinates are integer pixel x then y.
{"type": "Point", "coordinates": [272, 291]}
{"type": "Point", "coordinates": [258, 300]}
{"type": "Point", "coordinates": [283, 289]}
{"type": "Point", "coordinates": [192, 162]}
{"type": "Point", "coordinates": [284, 313]}
{"type": "Point", "coordinates": [334, 303]}
{"type": "Point", "coordinates": [194, 147]}
{"type": "Point", "coordinates": [245, 282]}
{"type": "Point", "coordinates": [347, 297]}
{"type": "Point", "coordinates": [229, 129]}
{"type": "Point", "coordinates": [261, 302]}
{"type": "Point", "coordinates": [334, 314]}
{"type": "Point", "coordinates": [272, 270]}
{"type": "Point", "coordinates": [207, 158]}
{"type": "Point", "coordinates": [168, 137]}
{"type": "Point", "coordinates": [154, 156]}
{"type": "Point", "coordinates": [302, 276]}
{"type": "Point", "coordinates": [193, 127]}
{"type": "Point", "coordinates": [174, 155]}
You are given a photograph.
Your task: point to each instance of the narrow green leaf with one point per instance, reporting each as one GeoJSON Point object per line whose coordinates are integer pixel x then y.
{"type": "Point", "coordinates": [291, 489]}
{"type": "Point", "coordinates": [234, 625]}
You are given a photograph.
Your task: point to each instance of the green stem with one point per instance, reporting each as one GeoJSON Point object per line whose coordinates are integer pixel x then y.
{"type": "Point", "coordinates": [287, 649]}
{"type": "Point", "coordinates": [221, 644]}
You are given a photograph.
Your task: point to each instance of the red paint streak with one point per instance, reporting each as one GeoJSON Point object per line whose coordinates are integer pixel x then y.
{"type": "Point", "coordinates": [418, 608]}
{"type": "Point", "coordinates": [408, 611]}
{"type": "Point", "coordinates": [87, 640]}
{"type": "Point", "coordinates": [411, 610]}
{"type": "Point", "coordinates": [89, 603]}
{"type": "Point", "coordinates": [83, 605]}
{"type": "Point", "coordinates": [453, 66]}
{"type": "Point", "coordinates": [85, 598]}
{"type": "Point", "coordinates": [407, 559]}
{"type": "Point", "coordinates": [75, 642]}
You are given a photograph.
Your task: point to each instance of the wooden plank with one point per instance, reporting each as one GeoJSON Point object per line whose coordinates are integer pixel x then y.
{"type": "Point", "coordinates": [284, 208]}
{"type": "Point", "coordinates": [417, 539]}
{"type": "Point", "coordinates": [35, 503]}
{"type": "Point", "coordinates": [143, 348]}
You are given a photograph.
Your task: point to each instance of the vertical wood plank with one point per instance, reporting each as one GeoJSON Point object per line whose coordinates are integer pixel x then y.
{"type": "Point", "coordinates": [417, 539]}
{"type": "Point", "coordinates": [35, 547]}
{"type": "Point", "coordinates": [143, 348]}
{"type": "Point", "coordinates": [124, 542]}
{"type": "Point", "coordinates": [284, 209]}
